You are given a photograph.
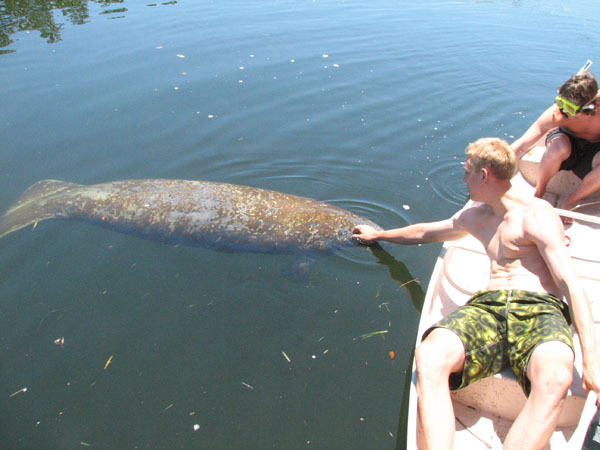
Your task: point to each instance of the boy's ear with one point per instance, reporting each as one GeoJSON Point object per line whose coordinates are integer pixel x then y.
{"type": "Point", "coordinates": [485, 174]}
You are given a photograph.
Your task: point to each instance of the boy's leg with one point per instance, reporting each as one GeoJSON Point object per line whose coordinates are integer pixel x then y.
{"type": "Point", "coordinates": [439, 355]}
{"type": "Point", "coordinates": [589, 185]}
{"type": "Point", "coordinates": [550, 372]}
{"type": "Point", "coordinates": [558, 149]}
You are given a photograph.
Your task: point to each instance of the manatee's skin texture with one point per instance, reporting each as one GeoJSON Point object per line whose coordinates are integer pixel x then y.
{"type": "Point", "coordinates": [216, 215]}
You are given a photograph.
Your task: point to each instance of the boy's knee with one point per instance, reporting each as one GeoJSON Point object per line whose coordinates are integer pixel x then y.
{"type": "Point", "coordinates": [435, 356]}
{"type": "Point", "coordinates": [428, 364]}
{"type": "Point", "coordinates": [559, 148]}
{"type": "Point", "coordinates": [552, 379]}
{"type": "Point", "coordinates": [558, 379]}
{"type": "Point", "coordinates": [424, 356]}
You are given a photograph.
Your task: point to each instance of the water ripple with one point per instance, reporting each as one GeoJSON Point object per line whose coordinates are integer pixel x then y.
{"type": "Point", "coordinates": [444, 175]}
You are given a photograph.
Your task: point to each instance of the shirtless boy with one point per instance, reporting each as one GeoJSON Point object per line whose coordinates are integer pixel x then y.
{"type": "Point", "coordinates": [573, 139]}
{"type": "Point", "coordinates": [528, 261]}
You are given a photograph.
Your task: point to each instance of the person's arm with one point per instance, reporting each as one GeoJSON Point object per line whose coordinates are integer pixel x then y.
{"type": "Point", "coordinates": [420, 233]}
{"type": "Point", "coordinates": [550, 243]}
{"type": "Point", "coordinates": [551, 118]}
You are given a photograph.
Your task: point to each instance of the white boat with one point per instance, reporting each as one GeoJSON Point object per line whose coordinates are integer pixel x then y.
{"type": "Point", "coordinates": [486, 409]}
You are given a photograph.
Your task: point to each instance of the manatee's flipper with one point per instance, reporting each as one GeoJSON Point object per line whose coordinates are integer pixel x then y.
{"type": "Point", "coordinates": [298, 270]}
{"type": "Point", "coordinates": [37, 203]}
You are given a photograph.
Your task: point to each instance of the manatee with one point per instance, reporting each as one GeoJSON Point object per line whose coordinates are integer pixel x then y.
{"type": "Point", "coordinates": [221, 216]}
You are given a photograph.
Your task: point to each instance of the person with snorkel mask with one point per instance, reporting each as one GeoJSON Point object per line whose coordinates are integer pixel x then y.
{"type": "Point", "coordinates": [572, 130]}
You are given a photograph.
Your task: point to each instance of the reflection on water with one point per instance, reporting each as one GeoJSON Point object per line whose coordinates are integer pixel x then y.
{"type": "Point", "coordinates": [41, 16]}
{"type": "Point", "coordinates": [399, 272]}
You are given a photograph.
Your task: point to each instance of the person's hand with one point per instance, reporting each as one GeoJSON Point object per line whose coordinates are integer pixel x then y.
{"type": "Point", "coordinates": [568, 204]}
{"type": "Point", "coordinates": [591, 378]}
{"type": "Point", "coordinates": [364, 234]}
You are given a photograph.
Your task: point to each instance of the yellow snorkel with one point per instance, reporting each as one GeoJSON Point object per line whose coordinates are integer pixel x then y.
{"type": "Point", "coordinates": [585, 68]}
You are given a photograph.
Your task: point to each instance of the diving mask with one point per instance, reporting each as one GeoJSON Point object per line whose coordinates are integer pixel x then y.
{"type": "Point", "coordinates": [566, 106]}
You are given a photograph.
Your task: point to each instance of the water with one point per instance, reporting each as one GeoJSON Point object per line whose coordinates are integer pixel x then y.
{"type": "Point", "coordinates": [366, 105]}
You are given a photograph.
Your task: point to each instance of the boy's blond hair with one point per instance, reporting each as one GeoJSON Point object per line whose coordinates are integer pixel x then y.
{"type": "Point", "coordinates": [494, 154]}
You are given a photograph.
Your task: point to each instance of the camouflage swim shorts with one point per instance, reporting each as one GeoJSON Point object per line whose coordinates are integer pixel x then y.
{"type": "Point", "coordinates": [503, 328]}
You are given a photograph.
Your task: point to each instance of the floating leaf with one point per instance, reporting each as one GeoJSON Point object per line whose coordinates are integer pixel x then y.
{"type": "Point", "coordinates": [370, 335]}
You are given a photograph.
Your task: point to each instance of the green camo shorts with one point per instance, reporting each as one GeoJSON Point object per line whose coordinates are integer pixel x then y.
{"type": "Point", "coordinates": [501, 328]}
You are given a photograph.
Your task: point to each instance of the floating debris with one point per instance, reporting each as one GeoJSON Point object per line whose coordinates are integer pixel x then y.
{"type": "Point", "coordinates": [196, 427]}
{"type": "Point", "coordinates": [392, 355]}
{"type": "Point", "coordinates": [247, 385]}
{"type": "Point", "coordinates": [108, 362]}
{"type": "Point", "coordinates": [18, 392]}
{"type": "Point", "coordinates": [287, 358]}
{"type": "Point", "coordinates": [370, 335]}
{"type": "Point", "coordinates": [383, 305]}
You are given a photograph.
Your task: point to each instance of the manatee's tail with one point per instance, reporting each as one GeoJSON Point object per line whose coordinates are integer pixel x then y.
{"type": "Point", "coordinates": [34, 205]}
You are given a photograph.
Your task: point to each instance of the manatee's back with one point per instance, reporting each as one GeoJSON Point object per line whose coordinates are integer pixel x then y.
{"type": "Point", "coordinates": [219, 215]}
{"type": "Point", "coordinates": [228, 216]}
{"type": "Point", "coordinates": [282, 221]}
